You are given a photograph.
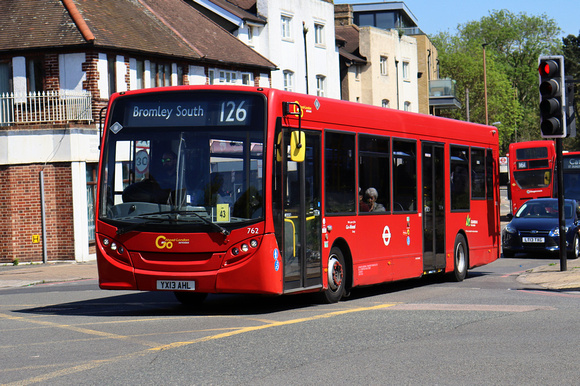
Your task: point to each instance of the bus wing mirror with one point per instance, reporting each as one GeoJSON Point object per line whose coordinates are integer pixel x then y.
{"type": "Point", "coordinates": [297, 146]}
{"type": "Point", "coordinates": [297, 137]}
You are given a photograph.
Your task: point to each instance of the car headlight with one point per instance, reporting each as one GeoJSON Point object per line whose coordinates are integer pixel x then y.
{"type": "Point", "coordinates": [556, 231]}
{"type": "Point", "coordinates": [509, 228]}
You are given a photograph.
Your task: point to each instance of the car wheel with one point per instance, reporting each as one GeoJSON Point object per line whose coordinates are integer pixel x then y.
{"type": "Point", "coordinates": [575, 252]}
{"type": "Point", "coordinates": [460, 258]}
{"type": "Point", "coordinates": [336, 277]}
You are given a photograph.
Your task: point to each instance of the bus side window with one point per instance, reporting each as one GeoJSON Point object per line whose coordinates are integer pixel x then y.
{"type": "Point", "coordinates": [404, 175]}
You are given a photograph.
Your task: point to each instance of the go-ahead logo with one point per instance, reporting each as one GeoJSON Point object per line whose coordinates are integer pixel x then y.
{"type": "Point", "coordinates": [162, 242]}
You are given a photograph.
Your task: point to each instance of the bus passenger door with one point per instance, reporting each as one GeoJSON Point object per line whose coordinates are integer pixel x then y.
{"type": "Point", "coordinates": [301, 187]}
{"type": "Point", "coordinates": [433, 207]}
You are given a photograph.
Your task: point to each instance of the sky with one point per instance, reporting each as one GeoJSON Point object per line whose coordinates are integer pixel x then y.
{"type": "Point", "coordinates": [435, 16]}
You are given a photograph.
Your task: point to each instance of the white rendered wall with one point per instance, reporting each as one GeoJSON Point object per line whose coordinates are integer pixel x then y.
{"type": "Point", "coordinates": [288, 54]}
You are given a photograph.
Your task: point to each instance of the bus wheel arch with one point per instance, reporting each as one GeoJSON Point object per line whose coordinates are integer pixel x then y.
{"type": "Point", "coordinates": [339, 271]}
{"type": "Point", "coordinates": [460, 257]}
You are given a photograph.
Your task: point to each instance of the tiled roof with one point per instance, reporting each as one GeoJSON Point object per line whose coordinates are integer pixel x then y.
{"type": "Point", "coordinates": [244, 9]}
{"type": "Point", "coordinates": [350, 35]}
{"type": "Point", "coordinates": [247, 5]}
{"type": "Point", "coordinates": [158, 27]}
{"type": "Point", "coordinates": [33, 23]}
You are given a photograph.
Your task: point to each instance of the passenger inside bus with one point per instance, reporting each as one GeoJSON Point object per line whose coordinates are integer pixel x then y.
{"type": "Point", "coordinates": [371, 195]}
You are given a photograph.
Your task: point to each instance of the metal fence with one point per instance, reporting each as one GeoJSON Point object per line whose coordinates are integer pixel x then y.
{"type": "Point", "coordinates": [45, 107]}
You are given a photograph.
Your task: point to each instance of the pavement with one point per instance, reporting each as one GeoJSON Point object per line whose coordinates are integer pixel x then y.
{"type": "Point", "coordinates": [546, 276]}
{"type": "Point", "coordinates": [23, 275]}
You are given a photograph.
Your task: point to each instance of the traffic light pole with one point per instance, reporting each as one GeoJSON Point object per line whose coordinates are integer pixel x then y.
{"type": "Point", "coordinates": [561, 214]}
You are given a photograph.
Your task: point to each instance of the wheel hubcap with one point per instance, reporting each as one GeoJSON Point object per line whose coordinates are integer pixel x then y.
{"type": "Point", "coordinates": [335, 273]}
{"type": "Point", "coordinates": [460, 258]}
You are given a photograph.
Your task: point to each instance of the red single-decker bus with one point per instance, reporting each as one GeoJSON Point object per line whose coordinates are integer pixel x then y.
{"type": "Point", "coordinates": [224, 189]}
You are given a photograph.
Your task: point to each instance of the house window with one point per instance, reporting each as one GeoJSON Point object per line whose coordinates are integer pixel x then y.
{"type": "Point", "coordinates": [383, 64]}
{"type": "Point", "coordinates": [5, 77]}
{"type": "Point", "coordinates": [319, 34]}
{"type": "Point", "coordinates": [112, 73]}
{"type": "Point", "coordinates": [229, 77]}
{"type": "Point", "coordinates": [160, 74]}
{"type": "Point", "coordinates": [285, 23]}
{"type": "Point", "coordinates": [180, 73]}
{"type": "Point", "coordinates": [165, 77]}
{"type": "Point", "coordinates": [211, 76]}
{"type": "Point", "coordinates": [320, 85]}
{"type": "Point", "coordinates": [247, 79]}
{"type": "Point", "coordinates": [406, 71]}
{"type": "Point", "coordinates": [385, 103]}
{"type": "Point", "coordinates": [288, 80]}
{"type": "Point", "coordinates": [250, 35]}
{"type": "Point", "coordinates": [140, 74]}
{"type": "Point", "coordinates": [35, 75]}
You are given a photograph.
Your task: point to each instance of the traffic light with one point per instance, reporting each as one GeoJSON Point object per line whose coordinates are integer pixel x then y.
{"type": "Point", "coordinates": [552, 97]}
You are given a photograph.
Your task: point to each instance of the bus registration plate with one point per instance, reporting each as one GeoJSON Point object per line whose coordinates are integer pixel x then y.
{"type": "Point", "coordinates": [175, 285]}
{"type": "Point", "coordinates": [532, 239]}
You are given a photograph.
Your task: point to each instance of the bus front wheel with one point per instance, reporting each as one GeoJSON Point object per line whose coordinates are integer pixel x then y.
{"type": "Point", "coordinates": [460, 258]}
{"type": "Point", "coordinates": [336, 276]}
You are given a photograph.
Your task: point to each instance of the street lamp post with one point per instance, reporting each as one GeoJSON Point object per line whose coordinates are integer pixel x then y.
{"type": "Point", "coordinates": [485, 83]}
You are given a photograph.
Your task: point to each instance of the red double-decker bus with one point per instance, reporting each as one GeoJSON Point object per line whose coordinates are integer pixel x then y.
{"type": "Point", "coordinates": [531, 171]}
{"type": "Point", "coordinates": [209, 189]}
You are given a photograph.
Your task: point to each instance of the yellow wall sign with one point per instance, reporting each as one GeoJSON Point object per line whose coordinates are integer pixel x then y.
{"type": "Point", "coordinates": [223, 212]}
{"type": "Point", "coordinates": [35, 239]}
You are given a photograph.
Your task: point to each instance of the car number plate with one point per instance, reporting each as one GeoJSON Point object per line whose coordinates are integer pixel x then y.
{"type": "Point", "coordinates": [176, 285]}
{"type": "Point", "coordinates": [533, 239]}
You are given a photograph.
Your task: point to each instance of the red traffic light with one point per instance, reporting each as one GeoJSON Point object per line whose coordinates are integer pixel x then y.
{"type": "Point", "coordinates": [548, 68]}
{"type": "Point", "coordinates": [553, 122]}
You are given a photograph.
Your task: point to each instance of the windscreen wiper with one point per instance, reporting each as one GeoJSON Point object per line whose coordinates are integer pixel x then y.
{"type": "Point", "coordinates": [147, 216]}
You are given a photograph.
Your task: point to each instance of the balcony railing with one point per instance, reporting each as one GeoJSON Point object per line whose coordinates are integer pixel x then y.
{"type": "Point", "coordinates": [60, 106]}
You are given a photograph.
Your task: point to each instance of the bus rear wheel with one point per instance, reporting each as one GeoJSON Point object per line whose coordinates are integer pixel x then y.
{"type": "Point", "coordinates": [336, 276]}
{"type": "Point", "coordinates": [190, 299]}
{"type": "Point", "coordinates": [460, 258]}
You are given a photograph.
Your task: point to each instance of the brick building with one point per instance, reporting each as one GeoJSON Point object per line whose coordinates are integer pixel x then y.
{"type": "Point", "coordinates": [59, 62]}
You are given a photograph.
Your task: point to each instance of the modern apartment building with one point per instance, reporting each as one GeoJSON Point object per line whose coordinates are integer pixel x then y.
{"type": "Point", "coordinates": [367, 50]}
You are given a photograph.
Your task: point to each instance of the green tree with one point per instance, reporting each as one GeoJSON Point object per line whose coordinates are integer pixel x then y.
{"type": "Point", "coordinates": [513, 43]}
{"type": "Point", "coordinates": [571, 52]}
{"type": "Point", "coordinates": [464, 63]}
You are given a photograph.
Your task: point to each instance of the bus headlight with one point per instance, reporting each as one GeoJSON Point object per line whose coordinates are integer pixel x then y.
{"type": "Point", "coordinates": [241, 251]}
{"type": "Point", "coordinates": [115, 250]}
